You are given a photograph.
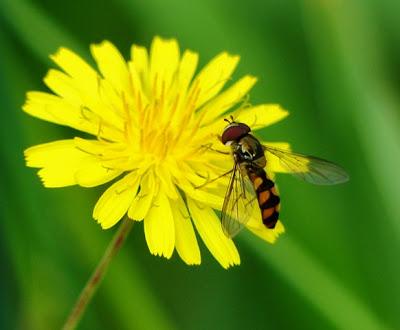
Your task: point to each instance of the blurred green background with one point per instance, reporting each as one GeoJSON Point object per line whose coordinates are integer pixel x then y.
{"type": "Point", "coordinates": [335, 65]}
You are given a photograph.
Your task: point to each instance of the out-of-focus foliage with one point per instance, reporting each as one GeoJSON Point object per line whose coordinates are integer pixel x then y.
{"type": "Point", "coordinates": [333, 64]}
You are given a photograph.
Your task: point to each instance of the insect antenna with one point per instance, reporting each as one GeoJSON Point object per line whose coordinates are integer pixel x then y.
{"type": "Point", "coordinates": [229, 121]}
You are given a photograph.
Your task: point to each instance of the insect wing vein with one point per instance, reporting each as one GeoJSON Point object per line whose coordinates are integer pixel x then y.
{"type": "Point", "coordinates": [309, 168]}
{"type": "Point", "coordinates": [239, 202]}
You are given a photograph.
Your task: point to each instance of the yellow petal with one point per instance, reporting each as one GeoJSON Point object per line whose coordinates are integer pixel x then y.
{"type": "Point", "coordinates": [77, 68]}
{"type": "Point", "coordinates": [63, 85]}
{"type": "Point", "coordinates": [261, 115]}
{"type": "Point", "coordinates": [80, 77]}
{"type": "Point", "coordinates": [82, 87]}
{"type": "Point", "coordinates": [164, 60]}
{"type": "Point", "coordinates": [273, 162]}
{"type": "Point", "coordinates": [54, 109]}
{"type": "Point", "coordinates": [226, 100]}
{"type": "Point", "coordinates": [94, 147]}
{"type": "Point", "coordinates": [187, 68]}
{"type": "Point", "coordinates": [187, 180]}
{"type": "Point", "coordinates": [57, 110]}
{"type": "Point", "coordinates": [268, 235]}
{"type": "Point", "coordinates": [210, 230]}
{"type": "Point", "coordinates": [213, 77]}
{"type": "Point", "coordinates": [115, 201]}
{"type": "Point", "coordinates": [186, 242]}
{"type": "Point", "coordinates": [143, 201]}
{"type": "Point", "coordinates": [164, 175]}
{"type": "Point", "coordinates": [159, 227]}
{"type": "Point", "coordinates": [108, 152]}
{"type": "Point", "coordinates": [203, 196]}
{"type": "Point", "coordinates": [61, 161]}
{"type": "Point", "coordinates": [112, 65]}
{"type": "Point", "coordinates": [114, 104]}
{"type": "Point", "coordinates": [94, 174]}
{"type": "Point", "coordinates": [139, 68]}
{"type": "Point", "coordinates": [140, 87]}
{"type": "Point", "coordinates": [181, 105]}
{"type": "Point", "coordinates": [51, 153]}
{"type": "Point", "coordinates": [140, 58]}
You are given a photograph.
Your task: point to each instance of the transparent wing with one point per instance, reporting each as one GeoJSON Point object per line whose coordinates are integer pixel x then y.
{"type": "Point", "coordinates": [308, 168]}
{"type": "Point", "coordinates": [240, 199]}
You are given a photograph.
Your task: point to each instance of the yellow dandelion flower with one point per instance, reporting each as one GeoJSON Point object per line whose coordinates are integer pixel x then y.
{"type": "Point", "coordinates": [155, 127]}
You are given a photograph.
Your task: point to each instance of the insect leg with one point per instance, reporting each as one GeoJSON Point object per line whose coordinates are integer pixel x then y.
{"type": "Point", "coordinates": [213, 180]}
{"type": "Point", "coordinates": [208, 147]}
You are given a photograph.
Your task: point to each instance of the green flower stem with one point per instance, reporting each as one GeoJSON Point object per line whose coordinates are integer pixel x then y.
{"type": "Point", "coordinates": [98, 275]}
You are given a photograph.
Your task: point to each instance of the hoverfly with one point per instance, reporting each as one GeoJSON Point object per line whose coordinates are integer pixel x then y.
{"type": "Point", "coordinates": [250, 185]}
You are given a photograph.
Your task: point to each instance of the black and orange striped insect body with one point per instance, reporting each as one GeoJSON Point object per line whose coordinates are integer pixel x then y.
{"type": "Point", "coordinates": [267, 195]}
{"type": "Point", "coordinates": [250, 185]}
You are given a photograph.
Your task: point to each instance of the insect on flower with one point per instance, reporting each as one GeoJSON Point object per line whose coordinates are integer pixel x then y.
{"type": "Point", "coordinates": [250, 182]}
{"type": "Point", "coordinates": [148, 123]}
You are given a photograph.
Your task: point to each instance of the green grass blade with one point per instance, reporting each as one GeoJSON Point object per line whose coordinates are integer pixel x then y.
{"type": "Point", "coordinates": [316, 284]}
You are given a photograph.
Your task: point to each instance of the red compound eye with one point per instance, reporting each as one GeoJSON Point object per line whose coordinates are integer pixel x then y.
{"type": "Point", "coordinates": [234, 132]}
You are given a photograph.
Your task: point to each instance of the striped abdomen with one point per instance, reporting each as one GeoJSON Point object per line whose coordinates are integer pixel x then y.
{"type": "Point", "coordinates": [267, 196]}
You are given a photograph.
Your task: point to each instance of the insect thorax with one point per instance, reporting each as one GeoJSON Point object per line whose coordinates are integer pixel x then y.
{"type": "Point", "coordinates": [248, 151]}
